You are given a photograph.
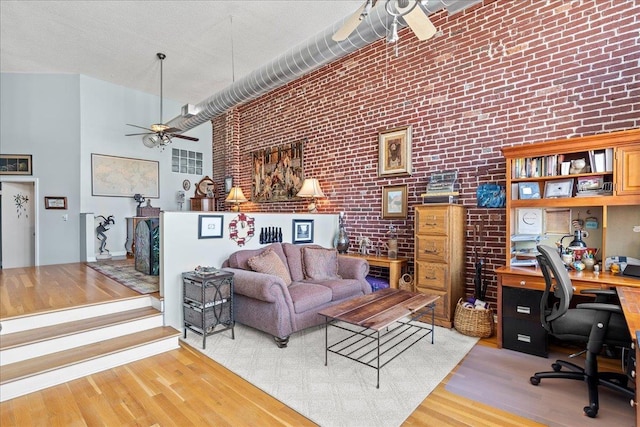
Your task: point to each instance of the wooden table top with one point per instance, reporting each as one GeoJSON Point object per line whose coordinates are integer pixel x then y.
{"type": "Point", "coordinates": [379, 309]}
{"type": "Point", "coordinates": [630, 303]}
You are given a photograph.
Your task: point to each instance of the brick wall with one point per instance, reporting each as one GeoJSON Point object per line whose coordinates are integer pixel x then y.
{"type": "Point", "coordinates": [499, 74]}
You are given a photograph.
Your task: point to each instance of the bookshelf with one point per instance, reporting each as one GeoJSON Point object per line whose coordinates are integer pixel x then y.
{"type": "Point", "coordinates": [599, 171]}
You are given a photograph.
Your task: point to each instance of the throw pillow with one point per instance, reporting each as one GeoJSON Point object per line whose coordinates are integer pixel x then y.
{"type": "Point", "coordinates": [320, 263]}
{"type": "Point", "coordinates": [270, 263]}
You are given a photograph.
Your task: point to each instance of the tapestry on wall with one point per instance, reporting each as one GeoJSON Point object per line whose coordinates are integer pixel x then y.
{"type": "Point", "coordinates": [277, 173]}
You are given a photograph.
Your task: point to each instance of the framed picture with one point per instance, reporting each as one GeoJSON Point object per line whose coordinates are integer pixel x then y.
{"type": "Point", "coordinates": [590, 183]}
{"type": "Point", "coordinates": [529, 221]}
{"type": "Point", "coordinates": [210, 226]}
{"type": "Point", "coordinates": [55, 203]}
{"type": "Point", "coordinates": [228, 184]}
{"type": "Point", "coordinates": [394, 152]}
{"type": "Point", "coordinates": [302, 231]}
{"type": "Point", "coordinates": [529, 190]}
{"type": "Point", "coordinates": [394, 201]}
{"type": "Point", "coordinates": [124, 177]}
{"type": "Point", "coordinates": [15, 164]}
{"type": "Point", "coordinates": [557, 221]}
{"type": "Point", "coordinates": [277, 172]}
{"type": "Point", "coordinates": [558, 188]}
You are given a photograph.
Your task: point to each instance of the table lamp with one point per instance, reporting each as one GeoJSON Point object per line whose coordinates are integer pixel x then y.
{"type": "Point", "coordinates": [236, 196]}
{"type": "Point", "coordinates": [311, 188]}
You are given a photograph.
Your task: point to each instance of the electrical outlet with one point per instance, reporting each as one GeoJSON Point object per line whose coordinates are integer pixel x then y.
{"type": "Point", "coordinates": [636, 228]}
{"type": "Point", "coordinates": [65, 217]}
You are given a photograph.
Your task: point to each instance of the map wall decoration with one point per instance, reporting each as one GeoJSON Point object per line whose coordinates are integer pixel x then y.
{"type": "Point", "coordinates": [277, 173]}
{"type": "Point", "coordinates": [124, 177]}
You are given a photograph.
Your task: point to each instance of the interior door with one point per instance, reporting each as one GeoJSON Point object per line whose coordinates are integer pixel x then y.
{"type": "Point", "coordinates": [17, 220]}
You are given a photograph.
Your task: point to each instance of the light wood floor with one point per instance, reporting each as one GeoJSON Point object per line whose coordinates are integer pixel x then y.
{"type": "Point", "coordinates": [181, 387]}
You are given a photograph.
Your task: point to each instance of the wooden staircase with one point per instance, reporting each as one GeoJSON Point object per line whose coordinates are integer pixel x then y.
{"type": "Point", "coordinates": [44, 349]}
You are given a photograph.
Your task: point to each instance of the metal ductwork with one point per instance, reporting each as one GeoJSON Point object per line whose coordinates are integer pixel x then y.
{"type": "Point", "coordinates": [302, 59]}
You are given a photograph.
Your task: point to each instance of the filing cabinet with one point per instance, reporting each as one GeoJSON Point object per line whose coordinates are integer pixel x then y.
{"type": "Point", "coordinates": [521, 324]}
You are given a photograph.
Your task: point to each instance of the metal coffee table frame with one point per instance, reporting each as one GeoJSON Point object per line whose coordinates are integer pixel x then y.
{"type": "Point", "coordinates": [376, 348]}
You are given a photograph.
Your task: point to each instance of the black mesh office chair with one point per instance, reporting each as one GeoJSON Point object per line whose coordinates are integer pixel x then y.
{"type": "Point", "coordinates": [596, 324]}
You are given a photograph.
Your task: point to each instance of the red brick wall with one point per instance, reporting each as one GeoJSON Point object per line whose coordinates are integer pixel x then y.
{"type": "Point", "coordinates": [501, 73]}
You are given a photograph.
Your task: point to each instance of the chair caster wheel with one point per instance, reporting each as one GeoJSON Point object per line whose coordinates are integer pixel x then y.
{"type": "Point", "coordinates": [534, 380]}
{"type": "Point", "coordinates": [590, 412]}
{"type": "Point", "coordinates": [556, 367]}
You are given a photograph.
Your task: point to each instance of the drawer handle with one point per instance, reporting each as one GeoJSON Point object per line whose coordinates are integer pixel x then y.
{"type": "Point", "coordinates": [523, 282]}
{"type": "Point", "coordinates": [523, 310]}
{"type": "Point", "coordinates": [432, 224]}
{"type": "Point", "coordinates": [431, 251]}
{"type": "Point", "coordinates": [524, 338]}
{"type": "Point", "coordinates": [430, 277]}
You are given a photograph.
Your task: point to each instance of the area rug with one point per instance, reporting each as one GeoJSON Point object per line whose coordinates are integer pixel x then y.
{"type": "Point", "coordinates": [500, 378]}
{"type": "Point", "coordinates": [124, 272]}
{"type": "Point", "coordinates": [343, 393]}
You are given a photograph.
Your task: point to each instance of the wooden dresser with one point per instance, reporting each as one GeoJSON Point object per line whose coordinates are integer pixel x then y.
{"type": "Point", "coordinates": [439, 257]}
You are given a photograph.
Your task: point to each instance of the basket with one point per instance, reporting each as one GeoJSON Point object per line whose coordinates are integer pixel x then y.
{"type": "Point", "coordinates": [473, 322]}
{"type": "Point", "coordinates": [406, 283]}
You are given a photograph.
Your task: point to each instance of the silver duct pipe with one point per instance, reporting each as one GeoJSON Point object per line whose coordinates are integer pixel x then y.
{"type": "Point", "coordinates": [302, 59]}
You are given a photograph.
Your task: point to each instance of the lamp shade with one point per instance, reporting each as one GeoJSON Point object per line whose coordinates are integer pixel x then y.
{"type": "Point", "coordinates": [310, 188]}
{"type": "Point", "coordinates": [236, 196]}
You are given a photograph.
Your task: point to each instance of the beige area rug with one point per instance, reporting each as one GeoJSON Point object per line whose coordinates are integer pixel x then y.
{"type": "Point", "coordinates": [500, 378]}
{"type": "Point", "coordinates": [125, 273]}
{"type": "Point", "coordinates": [343, 393]}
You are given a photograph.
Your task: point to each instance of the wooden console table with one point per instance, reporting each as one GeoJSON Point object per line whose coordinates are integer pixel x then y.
{"type": "Point", "coordinates": [396, 266]}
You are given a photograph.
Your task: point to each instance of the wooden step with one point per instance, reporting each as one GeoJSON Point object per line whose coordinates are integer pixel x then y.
{"type": "Point", "coordinates": [57, 360]}
{"type": "Point", "coordinates": [17, 339]}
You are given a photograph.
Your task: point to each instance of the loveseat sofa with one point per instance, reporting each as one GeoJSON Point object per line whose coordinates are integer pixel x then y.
{"type": "Point", "coordinates": [280, 288]}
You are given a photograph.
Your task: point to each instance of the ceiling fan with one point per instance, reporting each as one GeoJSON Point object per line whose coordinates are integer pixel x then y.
{"type": "Point", "coordinates": [159, 134]}
{"type": "Point", "coordinates": [409, 10]}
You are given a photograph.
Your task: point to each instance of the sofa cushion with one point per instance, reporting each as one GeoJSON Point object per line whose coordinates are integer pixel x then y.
{"type": "Point", "coordinates": [343, 288]}
{"type": "Point", "coordinates": [239, 259]}
{"type": "Point", "coordinates": [319, 263]}
{"type": "Point", "coordinates": [307, 296]}
{"type": "Point", "coordinates": [270, 263]}
{"type": "Point", "coordinates": [294, 259]}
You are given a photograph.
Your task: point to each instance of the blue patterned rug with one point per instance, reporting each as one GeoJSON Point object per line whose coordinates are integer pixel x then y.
{"type": "Point", "coordinates": [124, 272]}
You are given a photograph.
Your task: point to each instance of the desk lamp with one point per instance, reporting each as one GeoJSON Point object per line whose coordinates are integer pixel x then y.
{"type": "Point", "coordinates": [311, 188]}
{"type": "Point", "coordinates": [236, 196]}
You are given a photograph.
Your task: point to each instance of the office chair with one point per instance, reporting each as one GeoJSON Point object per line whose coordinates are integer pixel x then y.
{"type": "Point", "coordinates": [595, 324]}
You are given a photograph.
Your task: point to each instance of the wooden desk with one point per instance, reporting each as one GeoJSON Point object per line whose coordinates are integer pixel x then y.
{"type": "Point", "coordinates": [630, 302]}
{"type": "Point", "coordinates": [395, 266]}
{"type": "Point", "coordinates": [531, 278]}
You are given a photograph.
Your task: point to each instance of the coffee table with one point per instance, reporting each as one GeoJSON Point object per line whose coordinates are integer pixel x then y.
{"type": "Point", "coordinates": [380, 326]}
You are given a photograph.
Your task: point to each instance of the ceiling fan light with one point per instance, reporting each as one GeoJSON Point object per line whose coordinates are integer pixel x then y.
{"type": "Point", "coordinates": [159, 127]}
{"type": "Point", "coordinates": [151, 141]}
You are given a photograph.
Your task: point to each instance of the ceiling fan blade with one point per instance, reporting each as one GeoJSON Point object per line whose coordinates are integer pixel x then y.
{"type": "Point", "coordinates": [172, 130]}
{"type": "Point", "coordinates": [135, 134]}
{"type": "Point", "coordinates": [352, 22]}
{"type": "Point", "coordinates": [190, 138]}
{"type": "Point", "coordinates": [420, 23]}
{"type": "Point", "coordinates": [141, 127]}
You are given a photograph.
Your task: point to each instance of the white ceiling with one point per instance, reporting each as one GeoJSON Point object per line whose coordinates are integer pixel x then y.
{"type": "Point", "coordinates": [117, 41]}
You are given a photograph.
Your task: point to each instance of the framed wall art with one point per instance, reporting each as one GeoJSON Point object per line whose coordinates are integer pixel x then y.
{"type": "Point", "coordinates": [15, 164]}
{"type": "Point", "coordinates": [557, 221]}
{"type": "Point", "coordinates": [529, 190]}
{"type": "Point", "coordinates": [394, 201]}
{"type": "Point", "coordinates": [277, 172]}
{"type": "Point", "coordinates": [529, 221]}
{"type": "Point", "coordinates": [394, 152]}
{"type": "Point", "coordinates": [210, 226]}
{"type": "Point", "coordinates": [302, 231]}
{"type": "Point", "coordinates": [55, 203]}
{"type": "Point", "coordinates": [124, 177]}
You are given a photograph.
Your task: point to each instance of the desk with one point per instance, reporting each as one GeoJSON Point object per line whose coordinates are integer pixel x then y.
{"type": "Point", "coordinates": [395, 266]}
{"type": "Point", "coordinates": [630, 302]}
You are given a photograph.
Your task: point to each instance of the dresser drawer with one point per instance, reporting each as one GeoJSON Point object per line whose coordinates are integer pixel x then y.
{"type": "Point", "coordinates": [432, 248]}
{"type": "Point", "coordinates": [442, 303]}
{"type": "Point", "coordinates": [524, 336]}
{"type": "Point", "coordinates": [523, 281]}
{"type": "Point", "coordinates": [521, 303]}
{"type": "Point", "coordinates": [432, 221]}
{"type": "Point", "coordinates": [432, 275]}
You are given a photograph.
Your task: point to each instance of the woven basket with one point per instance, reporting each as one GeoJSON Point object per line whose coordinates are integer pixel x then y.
{"type": "Point", "coordinates": [406, 282]}
{"type": "Point", "coordinates": [472, 322]}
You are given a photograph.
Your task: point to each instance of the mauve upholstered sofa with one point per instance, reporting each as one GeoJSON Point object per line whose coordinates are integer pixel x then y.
{"type": "Point", "coordinates": [267, 303]}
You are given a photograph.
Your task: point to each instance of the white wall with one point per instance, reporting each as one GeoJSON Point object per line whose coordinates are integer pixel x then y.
{"type": "Point", "coordinates": [61, 120]}
{"type": "Point", "coordinates": [181, 250]}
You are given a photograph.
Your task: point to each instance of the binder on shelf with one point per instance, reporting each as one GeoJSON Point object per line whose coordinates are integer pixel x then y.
{"type": "Point", "coordinates": [599, 162]}
{"type": "Point", "coordinates": [608, 159]}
